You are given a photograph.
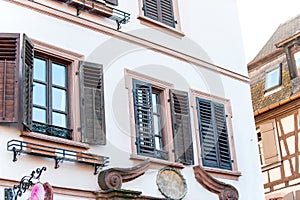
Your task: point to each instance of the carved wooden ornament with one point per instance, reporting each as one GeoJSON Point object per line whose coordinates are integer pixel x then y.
{"type": "Point", "coordinates": [225, 191]}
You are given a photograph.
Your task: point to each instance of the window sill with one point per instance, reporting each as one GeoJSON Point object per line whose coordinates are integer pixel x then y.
{"type": "Point", "coordinates": [157, 161]}
{"type": "Point", "coordinates": [272, 90]}
{"type": "Point", "coordinates": [160, 26]}
{"type": "Point", "coordinates": [221, 173]}
{"type": "Point", "coordinates": [270, 166]}
{"type": "Point", "coordinates": [70, 144]}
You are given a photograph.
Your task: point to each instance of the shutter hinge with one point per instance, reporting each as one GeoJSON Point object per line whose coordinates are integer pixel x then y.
{"type": "Point", "coordinates": [76, 73]}
{"type": "Point", "coordinates": [169, 100]}
{"type": "Point", "coordinates": [79, 129]}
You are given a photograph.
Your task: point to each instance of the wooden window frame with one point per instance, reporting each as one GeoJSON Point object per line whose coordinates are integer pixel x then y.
{"type": "Point", "coordinates": [175, 31]}
{"type": "Point", "coordinates": [218, 172]}
{"type": "Point", "coordinates": [164, 87]}
{"type": "Point", "coordinates": [42, 48]}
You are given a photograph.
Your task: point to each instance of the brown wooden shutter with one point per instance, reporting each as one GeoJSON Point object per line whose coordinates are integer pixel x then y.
{"type": "Point", "coordinates": [113, 2]}
{"type": "Point", "coordinates": [182, 134]}
{"type": "Point", "coordinates": [27, 62]}
{"type": "Point", "coordinates": [268, 136]}
{"type": "Point", "coordinates": [9, 75]}
{"type": "Point", "coordinates": [92, 103]}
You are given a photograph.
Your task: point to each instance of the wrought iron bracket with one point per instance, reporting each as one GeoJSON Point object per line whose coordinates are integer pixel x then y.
{"type": "Point", "coordinates": [58, 154]}
{"type": "Point", "coordinates": [25, 183]}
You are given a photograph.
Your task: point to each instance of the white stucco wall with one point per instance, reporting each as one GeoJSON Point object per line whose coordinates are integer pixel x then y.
{"type": "Point", "coordinates": [212, 35]}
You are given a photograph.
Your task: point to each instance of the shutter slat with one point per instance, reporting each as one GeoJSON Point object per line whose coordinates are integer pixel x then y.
{"type": "Point", "coordinates": [28, 57]}
{"type": "Point", "coordinates": [182, 134]}
{"type": "Point", "coordinates": [151, 9]}
{"type": "Point", "coordinates": [112, 2]}
{"type": "Point", "coordinates": [92, 103]}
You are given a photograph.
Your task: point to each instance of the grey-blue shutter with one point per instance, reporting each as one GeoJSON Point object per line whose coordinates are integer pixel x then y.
{"type": "Point", "coordinates": [92, 103]}
{"type": "Point", "coordinates": [213, 134]}
{"type": "Point", "coordinates": [222, 136]}
{"type": "Point", "coordinates": [182, 134]}
{"type": "Point", "coordinates": [113, 2]}
{"type": "Point", "coordinates": [27, 74]}
{"type": "Point", "coordinates": [142, 94]}
{"type": "Point", "coordinates": [151, 9]}
{"type": "Point", "coordinates": [9, 76]}
{"type": "Point", "coordinates": [167, 13]}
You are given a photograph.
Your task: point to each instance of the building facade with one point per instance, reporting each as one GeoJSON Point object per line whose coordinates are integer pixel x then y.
{"type": "Point", "coordinates": [274, 76]}
{"type": "Point", "coordinates": [126, 100]}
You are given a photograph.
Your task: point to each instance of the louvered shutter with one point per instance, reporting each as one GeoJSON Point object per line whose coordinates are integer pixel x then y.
{"type": "Point", "coordinates": [222, 136]}
{"type": "Point", "coordinates": [182, 134]}
{"type": "Point", "coordinates": [167, 14]}
{"type": "Point", "coordinates": [28, 57]}
{"type": "Point", "coordinates": [9, 75]}
{"type": "Point", "coordinates": [160, 10]}
{"type": "Point", "coordinates": [92, 103]}
{"type": "Point", "coordinates": [142, 94]}
{"type": "Point", "coordinates": [268, 136]}
{"type": "Point", "coordinates": [213, 134]}
{"type": "Point", "coordinates": [113, 2]}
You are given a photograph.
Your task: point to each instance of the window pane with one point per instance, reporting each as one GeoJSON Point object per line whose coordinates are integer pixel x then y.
{"type": "Point", "coordinates": [59, 119]}
{"type": "Point", "coordinates": [158, 144]}
{"type": "Point", "coordinates": [156, 125]}
{"type": "Point", "coordinates": [38, 115]}
{"type": "Point", "coordinates": [272, 78]}
{"type": "Point", "coordinates": [297, 59]}
{"type": "Point", "coordinates": [39, 69]}
{"type": "Point", "coordinates": [58, 75]}
{"type": "Point", "coordinates": [59, 99]}
{"type": "Point", "coordinates": [39, 94]}
{"type": "Point", "coordinates": [155, 102]}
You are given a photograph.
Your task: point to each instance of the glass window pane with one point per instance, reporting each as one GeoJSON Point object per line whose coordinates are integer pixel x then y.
{"type": "Point", "coordinates": [272, 78]}
{"type": "Point", "coordinates": [59, 119]}
{"type": "Point", "coordinates": [59, 99]}
{"type": "Point", "coordinates": [297, 59]}
{"type": "Point", "coordinates": [38, 115]}
{"type": "Point", "coordinates": [156, 124]}
{"type": "Point", "coordinates": [155, 102]}
{"type": "Point", "coordinates": [39, 94]}
{"type": "Point", "coordinates": [158, 144]}
{"type": "Point", "coordinates": [58, 75]}
{"type": "Point", "coordinates": [39, 69]}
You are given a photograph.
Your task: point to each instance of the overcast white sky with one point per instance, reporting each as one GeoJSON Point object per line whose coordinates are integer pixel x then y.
{"type": "Point", "coordinates": [259, 20]}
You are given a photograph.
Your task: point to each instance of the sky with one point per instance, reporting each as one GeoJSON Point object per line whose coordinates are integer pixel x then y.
{"type": "Point", "coordinates": [259, 20]}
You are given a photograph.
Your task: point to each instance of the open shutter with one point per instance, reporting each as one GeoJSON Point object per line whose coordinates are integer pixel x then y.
{"type": "Point", "coordinates": [270, 152]}
{"type": "Point", "coordinates": [151, 9]}
{"type": "Point", "coordinates": [167, 15]}
{"type": "Point", "coordinates": [113, 2]}
{"type": "Point", "coordinates": [92, 103]}
{"type": "Point", "coordinates": [142, 94]}
{"type": "Point", "coordinates": [182, 133]}
{"type": "Point", "coordinates": [222, 136]}
{"type": "Point", "coordinates": [9, 75]}
{"type": "Point", "coordinates": [28, 57]}
{"type": "Point", "coordinates": [207, 133]}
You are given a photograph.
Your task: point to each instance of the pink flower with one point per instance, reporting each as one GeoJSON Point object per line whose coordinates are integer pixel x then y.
{"type": "Point", "coordinates": [37, 192]}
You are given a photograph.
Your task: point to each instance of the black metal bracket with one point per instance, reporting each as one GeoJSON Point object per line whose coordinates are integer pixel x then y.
{"type": "Point", "coordinates": [58, 154]}
{"type": "Point", "coordinates": [25, 184]}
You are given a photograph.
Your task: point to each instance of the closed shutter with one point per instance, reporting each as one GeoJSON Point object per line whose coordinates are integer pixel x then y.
{"type": "Point", "coordinates": [142, 94]}
{"type": "Point", "coordinates": [28, 57]}
{"type": "Point", "coordinates": [167, 15]}
{"type": "Point", "coordinates": [113, 2]}
{"type": "Point", "coordinates": [269, 145]}
{"type": "Point", "coordinates": [92, 103]}
{"type": "Point", "coordinates": [182, 134]}
{"type": "Point", "coordinates": [213, 134]}
{"type": "Point", "coordinates": [151, 9]}
{"type": "Point", "coordinates": [9, 75]}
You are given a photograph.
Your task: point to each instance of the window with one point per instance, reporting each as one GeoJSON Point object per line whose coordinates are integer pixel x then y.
{"type": "Point", "coordinates": [162, 14]}
{"type": "Point", "coordinates": [50, 96]}
{"type": "Point", "coordinates": [215, 149]}
{"type": "Point", "coordinates": [267, 141]}
{"type": "Point", "coordinates": [48, 91]}
{"type": "Point", "coordinates": [297, 61]}
{"type": "Point", "coordinates": [273, 78]}
{"type": "Point", "coordinates": [160, 10]}
{"type": "Point", "coordinates": [161, 120]}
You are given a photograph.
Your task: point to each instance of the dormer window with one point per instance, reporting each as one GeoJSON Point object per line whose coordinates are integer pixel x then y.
{"type": "Point", "coordinates": [273, 78]}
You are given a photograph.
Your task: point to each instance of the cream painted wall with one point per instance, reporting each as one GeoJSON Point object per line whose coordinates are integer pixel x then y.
{"type": "Point", "coordinates": [210, 40]}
